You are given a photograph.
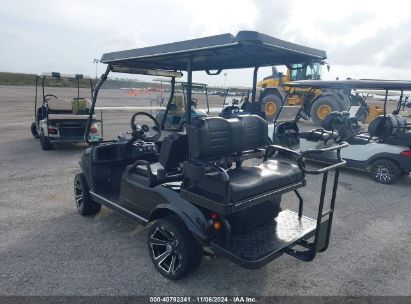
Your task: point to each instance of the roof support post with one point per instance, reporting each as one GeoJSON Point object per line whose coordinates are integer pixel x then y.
{"type": "Point", "coordinates": [42, 85]}
{"type": "Point", "coordinates": [254, 91]}
{"type": "Point", "coordinates": [189, 101]}
{"type": "Point", "coordinates": [170, 100]}
{"type": "Point", "coordinates": [385, 103]}
{"type": "Point", "coordinates": [208, 105]}
{"type": "Point", "coordinates": [189, 83]}
{"type": "Point", "coordinates": [35, 99]}
{"type": "Point", "coordinates": [94, 99]}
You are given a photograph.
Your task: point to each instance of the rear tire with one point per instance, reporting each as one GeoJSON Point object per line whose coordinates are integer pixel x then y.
{"type": "Point", "coordinates": [173, 250]}
{"type": "Point", "coordinates": [385, 171]}
{"type": "Point", "coordinates": [33, 129]}
{"type": "Point", "coordinates": [45, 142]}
{"type": "Point", "coordinates": [322, 107]}
{"type": "Point", "coordinates": [270, 105]}
{"type": "Point", "coordinates": [85, 205]}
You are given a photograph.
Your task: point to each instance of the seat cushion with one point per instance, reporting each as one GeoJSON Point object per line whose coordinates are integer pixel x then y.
{"type": "Point", "coordinates": [59, 105]}
{"type": "Point", "coordinates": [251, 181]}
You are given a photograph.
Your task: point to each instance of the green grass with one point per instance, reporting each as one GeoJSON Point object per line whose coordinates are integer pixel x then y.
{"type": "Point", "coordinates": [22, 79]}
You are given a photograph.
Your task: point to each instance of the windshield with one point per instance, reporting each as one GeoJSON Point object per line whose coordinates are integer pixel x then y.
{"type": "Point", "coordinates": [311, 71]}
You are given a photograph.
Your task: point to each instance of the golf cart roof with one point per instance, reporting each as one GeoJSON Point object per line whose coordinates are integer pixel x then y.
{"type": "Point", "coordinates": [66, 76]}
{"type": "Point", "coordinates": [226, 51]}
{"type": "Point", "coordinates": [401, 85]}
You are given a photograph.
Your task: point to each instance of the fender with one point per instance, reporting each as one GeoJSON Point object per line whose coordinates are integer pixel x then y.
{"type": "Point", "coordinates": [192, 217]}
{"type": "Point", "coordinates": [402, 161]}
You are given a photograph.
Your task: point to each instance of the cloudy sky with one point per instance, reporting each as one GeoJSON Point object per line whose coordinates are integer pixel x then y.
{"type": "Point", "coordinates": [363, 39]}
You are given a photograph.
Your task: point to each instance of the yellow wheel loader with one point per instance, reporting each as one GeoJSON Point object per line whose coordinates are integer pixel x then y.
{"type": "Point", "coordinates": [317, 104]}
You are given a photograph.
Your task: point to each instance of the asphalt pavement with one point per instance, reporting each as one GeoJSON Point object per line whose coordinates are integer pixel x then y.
{"type": "Point", "coordinates": [47, 248]}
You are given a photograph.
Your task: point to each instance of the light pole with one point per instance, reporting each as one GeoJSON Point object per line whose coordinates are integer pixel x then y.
{"type": "Point", "coordinates": [96, 61]}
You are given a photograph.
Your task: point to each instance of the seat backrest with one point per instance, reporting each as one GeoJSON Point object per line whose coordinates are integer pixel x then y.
{"type": "Point", "coordinates": [59, 105]}
{"type": "Point", "coordinates": [395, 124]}
{"type": "Point", "coordinates": [387, 126]}
{"type": "Point", "coordinates": [173, 151]}
{"type": "Point", "coordinates": [214, 137]}
{"type": "Point", "coordinates": [286, 133]}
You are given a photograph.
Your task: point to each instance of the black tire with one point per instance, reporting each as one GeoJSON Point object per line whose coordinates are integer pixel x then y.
{"type": "Point", "coordinates": [85, 205]}
{"type": "Point", "coordinates": [328, 103]}
{"type": "Point", "coordinates": [45, 142]}
{"type": "Point", "coordinates": [385, 171]}
{"type": "Point", "coordinates": [33, 129]}
{"type": "Point", "coordinates": [270, 105]}
{"type": "Point", "coordinates": [173, 250]}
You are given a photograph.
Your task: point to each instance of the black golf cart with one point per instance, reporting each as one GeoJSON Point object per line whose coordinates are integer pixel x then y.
{"type": "Point", "coordinates": [384, 150]}
{"type": "Point", "coordinates": [199, 187]}
{"type": "Point", "coordinates": [58, 120]}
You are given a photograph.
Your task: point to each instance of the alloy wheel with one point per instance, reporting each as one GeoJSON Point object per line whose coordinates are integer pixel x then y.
{"type": "Point", "coordinates": [78, 193]}
{"type": "Point", "coordinates": [165, 250]}
{"type": "Point", "coordinates": [384, 172]}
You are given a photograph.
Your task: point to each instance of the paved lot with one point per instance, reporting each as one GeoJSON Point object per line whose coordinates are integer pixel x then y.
{"type": "Point", "coordinates": [46, 248]}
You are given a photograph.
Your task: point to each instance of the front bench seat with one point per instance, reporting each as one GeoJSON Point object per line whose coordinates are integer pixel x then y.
{"type": "Point", "coordinates": [173, 151]}
{"type": "Point", "coordinates": [212, 138]}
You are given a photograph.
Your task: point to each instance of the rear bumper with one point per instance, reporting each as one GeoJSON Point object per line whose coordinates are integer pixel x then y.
{"type": "Point", "coordinates": [257, 247]}
{"type": "Point", "coordinates": [67, 140]}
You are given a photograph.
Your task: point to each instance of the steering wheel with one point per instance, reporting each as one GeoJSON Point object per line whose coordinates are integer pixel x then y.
{"type": "Point", "coordinates": [145, 132]}
{"type": "Point", "coordinates": [230, 112]}
{"type": "Point", "coordinates": [46, 97]}
{"type": "Point", "coordinates": [194, 102]}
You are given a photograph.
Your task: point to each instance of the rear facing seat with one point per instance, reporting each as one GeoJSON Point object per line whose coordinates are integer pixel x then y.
{"type": "Point", "coordinates": [62, 109]}
{"type": "Point", "coordinates": [214, 138]}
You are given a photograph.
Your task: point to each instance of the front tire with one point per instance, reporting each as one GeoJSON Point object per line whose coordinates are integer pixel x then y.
{"type": "Point", "coordinates": [270, 105]}
{"type": "Point", "coordinates": [173, 250]}
{"type": "Point", "coordinates": [322, 107]}
{"type": "Point", "coordinates": [33, 129]}
{"type": "Point", "coordinates": [85, 205]}
{"type": "Point", "coordinates": [385, 171]}
{"type": "Point", "coordinates": [45, 142]}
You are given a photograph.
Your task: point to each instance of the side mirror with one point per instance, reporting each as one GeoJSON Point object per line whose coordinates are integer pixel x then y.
{"type": "Point", "coordinates": [328, 67]}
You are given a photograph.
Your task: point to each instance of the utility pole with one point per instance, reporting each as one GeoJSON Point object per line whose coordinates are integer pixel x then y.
{"type": "Point", "coordinates": [96, 61]}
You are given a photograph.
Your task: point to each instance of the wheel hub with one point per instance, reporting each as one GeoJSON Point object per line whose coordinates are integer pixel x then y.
{"type": "Point", "coordinates": [169, 248]}
{"type": "Point", "coordinates": [383, 173]}
{"type": "Point", "coordinates": [323, 111]}
{"type": "Point", "coordinates": [270, 108]}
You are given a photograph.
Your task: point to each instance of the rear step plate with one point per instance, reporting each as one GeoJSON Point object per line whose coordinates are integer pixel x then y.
{"type": "Point", "coordinates": [262, 244]}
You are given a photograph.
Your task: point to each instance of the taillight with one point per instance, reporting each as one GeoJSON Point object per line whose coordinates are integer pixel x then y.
{"type": "Point", "coordinates": [52, 131]}
{"type": "Point", "coordinates": [406, 153]}
{"type": "Point", "coordinates": [93, 130]}
{"type": "Point", "coordinates": [216, 223]}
